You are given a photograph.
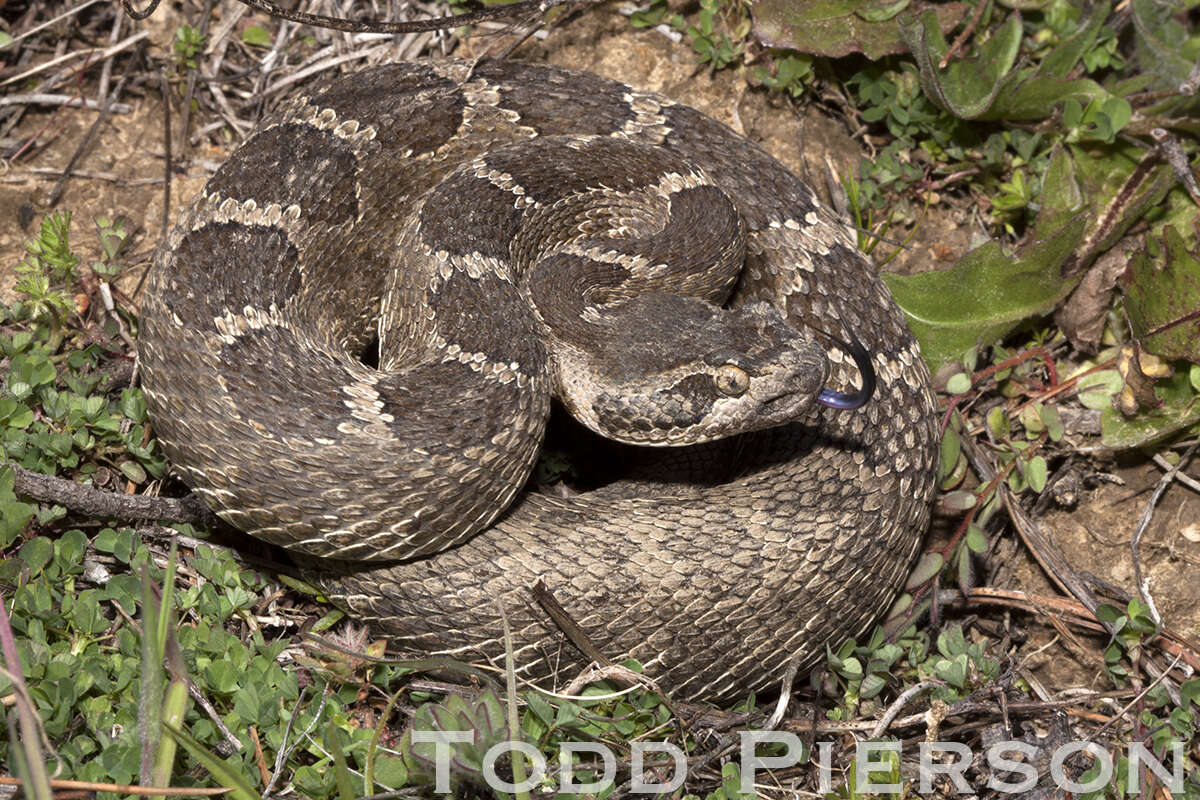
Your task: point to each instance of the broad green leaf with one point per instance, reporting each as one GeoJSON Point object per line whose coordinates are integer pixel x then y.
{"type": "Point", "coordinates": [36, 553]}
{"type": "Point", "coordinates": [1180, 409]}
{"type": "Point", "coordinates": [1161, 42]}
{"type": "Point", "coordinates": [1162, 298]}
{"type": "Point", "coordinates": [838, 28]}
{"type": "Point", "coordinates": [1024, 97]}
{"type": "Point", "coordinates": [1062, 59]}
{"type": "Point", "coordinates": [257, 36]}
{"type": "Point", "coordinates": [925, 570]}
{"type": "Point", "coordinates": [985, 295]}
{"type": "Point", "coordinates": [966, 87]}
{"type": "Point", "coordinates": [1123, 182]}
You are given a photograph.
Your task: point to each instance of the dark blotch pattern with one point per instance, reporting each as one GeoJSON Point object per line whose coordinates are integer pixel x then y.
{"type": "Point", "coordinates": [409, 105]}
{"type": "Point", "coordinates": [484, 225]}
{"type": "Point", "coordinates": [467, 309]}
{"type": "Point", "coordinates": [253, 380]}
{"type": "Point", "coordinates": [553, 103]}
{"type": "Point", "coordinates": [266, 271]}
{"type": "Point", "coordinates": [293, 164]}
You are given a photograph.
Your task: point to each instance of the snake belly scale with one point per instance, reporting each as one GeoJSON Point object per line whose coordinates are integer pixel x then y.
{"type": "Point", "coordinates": [405, 480]}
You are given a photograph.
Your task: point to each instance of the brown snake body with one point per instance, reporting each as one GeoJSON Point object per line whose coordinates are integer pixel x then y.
{"type": "Point", "coordinates": [427, 203]}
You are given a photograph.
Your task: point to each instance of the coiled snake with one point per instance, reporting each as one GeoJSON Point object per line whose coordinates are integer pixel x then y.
{"type": "Point", "coordinates": [509, 231]}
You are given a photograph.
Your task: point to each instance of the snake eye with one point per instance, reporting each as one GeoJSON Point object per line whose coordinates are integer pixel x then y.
{"type": "Point", "coordinates": [732, 381]}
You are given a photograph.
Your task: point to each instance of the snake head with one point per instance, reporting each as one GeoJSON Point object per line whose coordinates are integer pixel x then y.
{"type": "Point", "coordinates": [677, 371]}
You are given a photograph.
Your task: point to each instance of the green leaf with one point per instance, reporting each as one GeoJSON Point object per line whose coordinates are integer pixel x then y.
{"type": "Point", "coordinates": [1162, 297]}
{"type": "Point", "coordinates": [976, 540]}
{"type": "Point", "coordinates": [925, 570]}
{"type": "Point", "coordinates": [14, 516]}
{"type": "Point", "coordinates": [985, 295]}
{"type": "Point", "coordinates": [222, 677]}
{"type": "Point", "coordinates": [1161, 42]}
{"type": "Point", "coordinates": [36, 553]}
{"type": "Point", "coordinates": [1180, 409]}
{"type": "Point", "coordinates": [838, 28]}
{"type": "Point", "coordinates": [959, 383]}
{"type": "Point", "coordinates": [133, 471]}
{"type": "Point", "coordinates": [1036, 473]}
{"type": "Point", "coordinates": [222, 771]}
{"type": "Point", "coordinates": [959, 500]}
{"type": "Point", "coordinates": [256, 36]}
{"type": "Point", "coordinates": [966, 87]}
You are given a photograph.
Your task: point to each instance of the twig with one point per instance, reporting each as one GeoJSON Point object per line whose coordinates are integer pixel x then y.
{"type": "Point", "coordinates": [95, 54]}
{"type": "Point", "coordinates": [286, 750]}
{"type": "Point", "coordinates": [785, 693]}
{"type": "Point", "coordinates": [1143, 584]}
{"type": "Point", "coordinates": [570, 628]}
{"type": "Point", "coordinates": [1172, 151]}
{"type": "Point", "coordinates": [1192, 83]}
{"type": "Point", "coordinates": [1182, 477]}
{"type": "Point", "coordinates": [84, 499]}
{"type": "Point", "coordinates": [962, 37]}
{"type": "Point", "coordinates": [899, 703]}
{"type": "Point", "coordinates": [51, 21]}
{"type": "Point", "coordinates": [47, 173]}
{"type": "Point", "coordinates": [64, 100]}
{"type": "Point", "coordinates": [1053, 562]}
{"type": "Point", "coordinates": [114, 36]}
{"type": "Point", "coordinates": [1125, 710]}
{"type": "Point", "coordinates": [124, 788]}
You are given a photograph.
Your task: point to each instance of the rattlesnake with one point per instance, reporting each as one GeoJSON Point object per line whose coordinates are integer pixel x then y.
{"type": "Point", "coordinates": [714, 566]}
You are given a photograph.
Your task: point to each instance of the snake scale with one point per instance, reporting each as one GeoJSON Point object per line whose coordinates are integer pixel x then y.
{"type": "Point", "coordinates": [507, 232]}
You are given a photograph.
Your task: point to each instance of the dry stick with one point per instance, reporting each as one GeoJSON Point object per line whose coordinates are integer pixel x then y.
{"type": "Point", "coordinates": [64, 100]}
{"type": "Point", "coordinates": [106, 71]}
{"type": "Point", "coordinates": [1169, 640]}
{"type": "Point", "coordinates": [1182, 477]}
{"type": "Point", "coordinates": [785, 693]}
{"type": "Point", "coordinates": [285, 752]}
{"type": "Point", "coordinates": [50, 173]}
{"type": "Point", "coordinates": [962, 707]}
{"type": "Point", "coordinates": [283, 83]}
{"type": "Point", "coordinates": [1192, 83]}
{"type": "Point", "coordinates": [1143, 584]}
{"type": "Point", "coordinates": [96, 52]}
{"type": "Point", "coordinates": [124, 788]}
{"type": "Point", "coordinates": [1172, 151]}
{"type": "Point", "coordinates": [49, 22]}
{"type": "Point", "coordinates": [98, 503]}
{"type": "Point", "coordinates": [570, 628]}
{"type": "Point", "coordinates": [1053, 562]}
{"type": "Point", "coordinates": [893, 710]}
{"type": "Point", "coordinates": [962, 37]}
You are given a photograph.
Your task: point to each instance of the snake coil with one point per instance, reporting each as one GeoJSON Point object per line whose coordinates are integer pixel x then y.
{"type": "Point", "coordinates": [425, 203]}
